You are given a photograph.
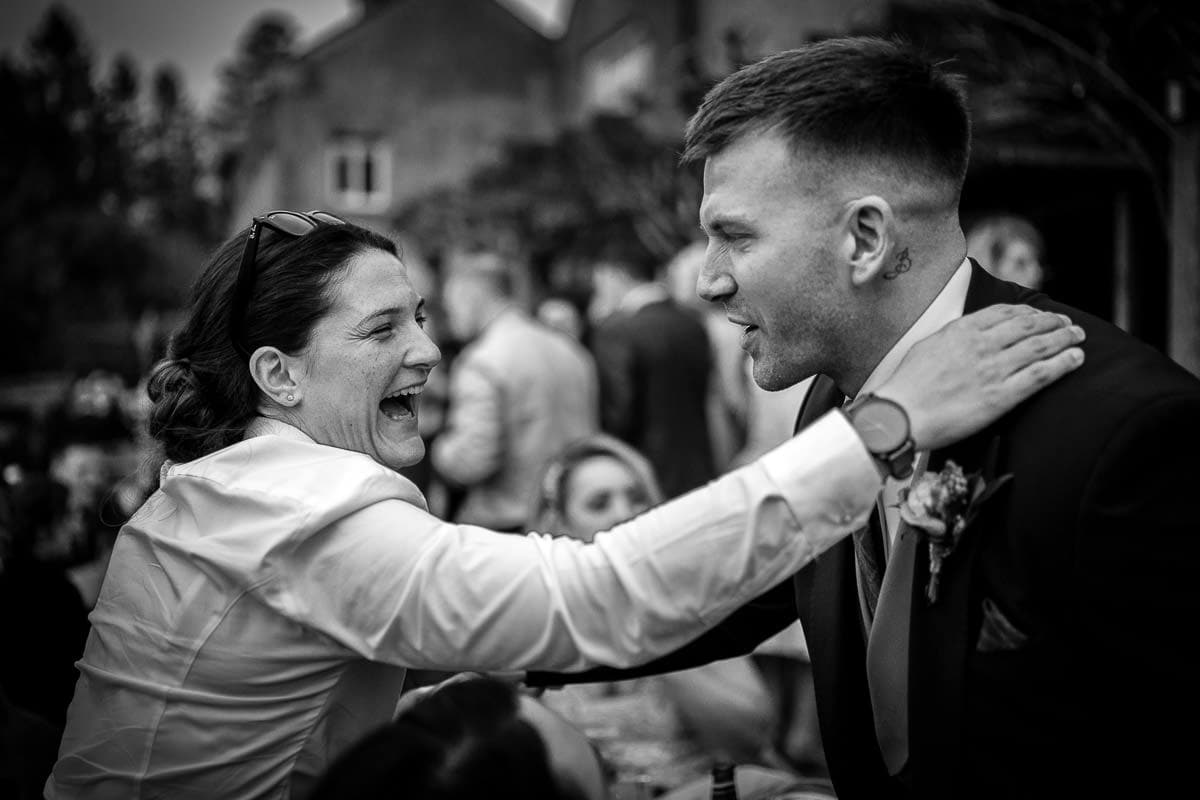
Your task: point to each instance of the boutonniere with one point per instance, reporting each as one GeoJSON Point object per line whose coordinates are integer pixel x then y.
{"type": "Point", "coordinates": [941, 505]}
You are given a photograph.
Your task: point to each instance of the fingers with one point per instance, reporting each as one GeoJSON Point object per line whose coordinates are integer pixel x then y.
{"type": "Point", "coordinates": [1039, 347]}
{"type": "Point", "coordinates": [1039, 374]}
{"type": "Point", "coordinates": [1008, 332]}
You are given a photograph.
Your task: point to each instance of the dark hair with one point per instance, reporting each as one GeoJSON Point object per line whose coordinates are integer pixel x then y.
{"type": "Point", "coordinates": [203, 395]}
{"type": "Point", "coordinates": [852, 96]}
{"type": "Point", "coordinates": [464, 741]}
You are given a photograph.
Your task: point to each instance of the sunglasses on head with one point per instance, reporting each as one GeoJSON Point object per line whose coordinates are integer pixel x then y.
{"type": "Point", "coordinates": [290, 223]}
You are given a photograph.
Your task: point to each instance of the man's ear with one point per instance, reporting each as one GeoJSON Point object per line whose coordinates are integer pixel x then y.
{"type": "Point", "coordinates": [276, 374]}
{"type": "Point", "coordinates": [870, 228]}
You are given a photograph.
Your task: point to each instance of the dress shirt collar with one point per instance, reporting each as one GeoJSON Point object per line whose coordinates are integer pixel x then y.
{"type": "Point", "coordinates": [946, 307]}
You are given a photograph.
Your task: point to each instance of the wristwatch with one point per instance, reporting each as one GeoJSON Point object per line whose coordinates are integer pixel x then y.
{"type": "Point", "coordinates": [884, 428]}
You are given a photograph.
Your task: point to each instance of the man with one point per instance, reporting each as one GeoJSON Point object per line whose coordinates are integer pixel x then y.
{"type": "Point", "coordinates": [519, 392]}
{"type": "Point", "coordinates": [1052, 661]}
{"type": "Point", "coordinates": [655, 366]}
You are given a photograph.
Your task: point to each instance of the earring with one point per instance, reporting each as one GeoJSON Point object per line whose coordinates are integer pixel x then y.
{"type": "Point", "coordinates": [291, 398]}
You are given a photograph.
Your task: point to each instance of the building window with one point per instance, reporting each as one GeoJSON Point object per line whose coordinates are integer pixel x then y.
{"type": "Point", "coordinates": [359, 169]}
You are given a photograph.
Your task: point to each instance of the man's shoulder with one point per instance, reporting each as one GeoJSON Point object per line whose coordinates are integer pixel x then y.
{"type": "Point", "coordinates": [1118, 367]}
{"type": "Point", "coordinates": [1125, 388]}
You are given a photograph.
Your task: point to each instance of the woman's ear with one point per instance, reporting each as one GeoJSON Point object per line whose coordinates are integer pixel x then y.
{"type": "Point", "coordinates": [870, 229]}
{"type": "Point", "coordinates": [276, 375]}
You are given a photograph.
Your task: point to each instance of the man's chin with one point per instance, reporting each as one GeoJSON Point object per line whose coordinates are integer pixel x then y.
{"type": "Point", "coordinates": [771, 376]}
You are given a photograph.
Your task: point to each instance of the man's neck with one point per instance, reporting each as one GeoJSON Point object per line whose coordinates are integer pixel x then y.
{"type": "Point", "coordinates": [885, 324]}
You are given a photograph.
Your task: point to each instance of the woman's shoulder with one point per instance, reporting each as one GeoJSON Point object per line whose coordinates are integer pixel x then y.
{"type": "Point", "coordinates": [297, 470]}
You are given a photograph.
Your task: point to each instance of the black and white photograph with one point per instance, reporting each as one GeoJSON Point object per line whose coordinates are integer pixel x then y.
{"type": "Point", "coordinates": [599, 399]}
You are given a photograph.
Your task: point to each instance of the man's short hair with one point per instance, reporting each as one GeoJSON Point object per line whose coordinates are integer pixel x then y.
{"type": "Point", "coordinates": [857, 97]}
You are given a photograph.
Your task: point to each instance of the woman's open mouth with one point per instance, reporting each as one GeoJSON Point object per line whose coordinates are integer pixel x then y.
{"type": "Point", "coordinates": [402, 404]}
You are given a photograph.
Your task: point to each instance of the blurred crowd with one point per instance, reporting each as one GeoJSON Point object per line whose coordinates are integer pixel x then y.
{"type": "Point", "coordinates": [557, 416]}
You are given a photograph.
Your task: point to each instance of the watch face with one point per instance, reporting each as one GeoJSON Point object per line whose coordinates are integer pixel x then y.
{"type": "Point", "coordinates": [882, 424]}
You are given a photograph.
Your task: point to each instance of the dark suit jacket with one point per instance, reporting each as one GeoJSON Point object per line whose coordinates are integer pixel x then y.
{"type": "Point", "coordinates": [654, 366]}
{"type": "Point", "coordinates": [1087, 553]}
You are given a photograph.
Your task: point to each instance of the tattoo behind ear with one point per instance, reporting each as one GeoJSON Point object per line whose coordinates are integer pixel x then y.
{"type": "Point", "coordinates": [903, 265]}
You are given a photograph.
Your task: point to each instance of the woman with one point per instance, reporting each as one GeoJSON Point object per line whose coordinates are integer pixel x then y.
{"type": "Point", "coordinates": [661, 731]}
{"type": "Point", "coordinates": [593, 484]}
{"type": "Point", "coordinates": [260, 608]}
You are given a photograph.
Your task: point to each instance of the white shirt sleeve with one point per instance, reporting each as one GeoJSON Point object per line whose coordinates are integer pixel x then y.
{"type": "Point", "coordinates": [395, 584]}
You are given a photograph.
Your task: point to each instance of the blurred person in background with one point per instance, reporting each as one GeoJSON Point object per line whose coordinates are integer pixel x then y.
{"type": "Point", "coordinates": [562, 315]}
{"type": "Point", "coordinates": [1009, 247]}
{"type": "Point", "coordinates": [262, 606]}
{"type": "Point", "coordinates": [519, 391]}
{"type": "Point", "coordinates": [655, 365]}
{"type": "Point", "coordinates": [467, 740]}
{"type": "Point", "coordinates": [666, 730]}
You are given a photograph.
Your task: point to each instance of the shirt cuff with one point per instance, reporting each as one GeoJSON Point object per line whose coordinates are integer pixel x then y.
{"type": "Point", "coordinates": [826, 471]}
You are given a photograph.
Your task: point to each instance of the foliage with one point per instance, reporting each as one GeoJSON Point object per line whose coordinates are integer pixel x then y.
{"type": "Point", "coordinates": [265, 51]}
{"type": "Point", "coordinates": [100, 187]}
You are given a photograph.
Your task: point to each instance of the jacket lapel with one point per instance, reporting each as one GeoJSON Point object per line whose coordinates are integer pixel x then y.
{"type": "Point", "coordinates": [827, 600]}
{"type": "Point", "coordinates": [940, 633]}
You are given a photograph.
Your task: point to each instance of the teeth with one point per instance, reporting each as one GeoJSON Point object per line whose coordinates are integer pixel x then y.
{"type": "Point", "coordinates": [410, 391]}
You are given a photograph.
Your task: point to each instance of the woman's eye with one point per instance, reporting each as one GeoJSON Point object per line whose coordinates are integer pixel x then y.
{"type": "Point", "coordinates": [597, 502]}
{"type": "Point", "coordinates": [421, 319]}
{"type": "Point", "coordinates": [382, 330]}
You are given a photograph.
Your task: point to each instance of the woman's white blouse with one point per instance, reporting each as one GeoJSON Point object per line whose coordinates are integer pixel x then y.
{"type": "Point", "coordinates": [260, 609]}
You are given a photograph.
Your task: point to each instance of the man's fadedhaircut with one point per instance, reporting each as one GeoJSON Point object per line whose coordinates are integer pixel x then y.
{"type": "Point", "coordinates": [858, 97]}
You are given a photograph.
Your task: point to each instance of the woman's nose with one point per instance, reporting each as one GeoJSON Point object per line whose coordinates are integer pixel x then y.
{"type": "Point", "coordinates": [424, 353]}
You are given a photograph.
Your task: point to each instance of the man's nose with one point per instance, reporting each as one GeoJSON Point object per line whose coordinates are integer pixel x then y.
{"type": "Point", "coordinates": [715, 284]}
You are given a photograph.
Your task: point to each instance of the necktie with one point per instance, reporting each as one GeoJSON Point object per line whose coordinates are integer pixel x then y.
{"type": "Point", "coordinates": [869, 558]}
{"type": "Point", "coordinates": [887, 652]}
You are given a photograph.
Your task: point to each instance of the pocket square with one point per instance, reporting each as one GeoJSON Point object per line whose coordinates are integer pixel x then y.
{"type": "Point", "coordinates": [998, 633]}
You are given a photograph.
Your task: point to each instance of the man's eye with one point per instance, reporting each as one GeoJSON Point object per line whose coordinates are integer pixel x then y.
{"type": "Point", "coordinates": [382, 330]}
{"type": "Point", "coordinates": [421, 319]}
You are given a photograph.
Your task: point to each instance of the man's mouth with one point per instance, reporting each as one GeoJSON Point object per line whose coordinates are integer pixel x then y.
{"type": "Point", "coordinates": [402, 404]}
{"type": "Point", "coordinates": [746, 327]}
